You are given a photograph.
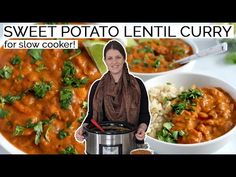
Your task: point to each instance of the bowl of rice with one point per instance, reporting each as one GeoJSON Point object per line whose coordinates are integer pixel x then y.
{"type": "Point", "coordinates": [190, 113]}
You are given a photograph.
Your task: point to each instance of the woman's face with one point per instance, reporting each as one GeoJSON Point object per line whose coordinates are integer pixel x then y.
{"type": "Point", "coordinates": [114, 61]}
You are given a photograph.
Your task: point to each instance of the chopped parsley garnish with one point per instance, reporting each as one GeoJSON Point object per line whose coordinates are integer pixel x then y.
{"type": "Point", "coordinates": [157, 62]}
{"type": "Point", "coordinates": [179, 108]}
{"type": "Point", "coordinates": [68, 150]}
{"type": "Point", "coordinates": [190, 95]}
{"type": "Point", "coordinates": [81, 119]}
{"type": "Point", "coordinates": [40, 89]}
{"type": "Point", "coordinates": [74, 82]}
{"type": "Point", "coordinates": [185, 101]}
{"type": "Point", "coordinates": [68, 69]}
{"type": "Point", "coordinates": [65, 97]}
{"type": "Point", "coordinates": [41, 67]}
{"type": "Point", "coordinates": [37, 127]}
{"type": "Point", "coordinates": [146, 49]}
{"type": "Point", "coordinates": [68, 76]}
{"type": "Point", "coordinates": [62, 134]}
{"type": "Point", "coordinates": [178, 51]}
{"type": "Point", "coordinates": [3, 113]}
{"type": "Point", "coordinates": [19, 130]}
{"type": "Point", "coordinates": [36, 54]}
{"type": "Point", "coordinates": [136, 61]}
{"type": "Point", "coordinates": [16, 60]}
{"type": "Point", "coordinates": [10, 99]}
{"type": "Point", "coordinates": [6, 72]}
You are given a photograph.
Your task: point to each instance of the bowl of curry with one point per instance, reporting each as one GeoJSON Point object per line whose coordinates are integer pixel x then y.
{"type": "Point", "coordinates": [190, 113]}
{"type": "Point", "coordinates": [151, 57]}
{"type": "Point", "coordinates": [43, 98]}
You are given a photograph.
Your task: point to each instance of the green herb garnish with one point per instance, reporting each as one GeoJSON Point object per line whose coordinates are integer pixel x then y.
{"type": "Point", "coordinates": [62, 134]}
{"type": "Point", "coordinates": [40, 89]}
{"type": "Point", "coordinates": [68, 150]}
{"type": "Point", "coordinates": [68, 69]}
{"type": "Point", "coordinates": [41, 67]}
{"type": "Point", "coordinates": [136, 61]}
{"type": "Point", "coordinates": [81, 119]}
{"type": "Point", "coordinates": [3, 113]}
{"type": "Point", "coordinates": [167, 135]}
{"type": "Point", "coordinates": [19, 130]}
{"type": "Point", "coordinates": [179, 108]}
{"type": "Point", "coordinates": [157, 62]}
{"type": "Point", "coordinates": [38, 128]}
{"type": "Point", "coordinates": [10, 99]}
{"type": "Point", "coordinates": [16, 60]}
{"type": "Point", "coordinates": [6, 72]}
{"type": "Point", "coordinates": [146, 49]}
{"type": "Point", "coordinates": [36, 54]}
{"type": "Point", "coordinates": [65, 97]}
{"type": "Point", "coordinates": [185, 101]}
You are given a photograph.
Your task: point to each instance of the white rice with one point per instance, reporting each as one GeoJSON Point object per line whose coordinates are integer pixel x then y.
{"type": "Point", "coordinates": [159, 107]}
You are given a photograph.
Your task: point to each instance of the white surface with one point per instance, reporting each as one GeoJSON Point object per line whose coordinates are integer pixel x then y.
{"type": "Point", "coordinates": [214, 66]}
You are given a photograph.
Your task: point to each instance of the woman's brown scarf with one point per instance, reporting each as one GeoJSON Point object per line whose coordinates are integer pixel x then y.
{"type": "Point", "coordinates": [121, 100]}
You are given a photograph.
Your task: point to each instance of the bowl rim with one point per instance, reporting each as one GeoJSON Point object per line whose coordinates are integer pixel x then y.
{"type": "Point", "coordinates": [195, 51]}
{"type": "Point", "coordinates": [8, 146]}
{"type": "Point", "coordinates": [148, 150]}
{"type": "Point", "coordinates": [227, 134]}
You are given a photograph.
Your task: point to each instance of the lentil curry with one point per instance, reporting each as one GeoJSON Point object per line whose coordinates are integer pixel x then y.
{"type": "Point", "coordinates": [199, 115]}
{"type": "Point", "coordinates": [43, 97]}
{"type": "Point", "coordinates": [157, 55]}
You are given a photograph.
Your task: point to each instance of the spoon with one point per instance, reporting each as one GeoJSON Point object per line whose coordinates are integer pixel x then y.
{"type": "Point", "coordinates": [220, 48]}
{"type": "Point", "coordinates": [94, 122]}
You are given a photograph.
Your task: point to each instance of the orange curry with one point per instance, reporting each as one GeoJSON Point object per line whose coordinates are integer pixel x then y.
{"type": "Point", "coordinates": [157, 55]}
{"type": "Point", "coordinates": [43, 97]}
{"type": "Point", "coordinates": [208, 114]}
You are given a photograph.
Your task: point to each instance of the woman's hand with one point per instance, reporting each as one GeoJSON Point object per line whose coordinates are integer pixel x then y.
{"type": "Point", "coordinates": [140, 135]}
{"type": "Point", "coordinates": [79, 133]}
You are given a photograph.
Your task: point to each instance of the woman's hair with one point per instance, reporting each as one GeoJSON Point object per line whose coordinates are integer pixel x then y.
{"type": "Point", "coordinates": [113, 44]}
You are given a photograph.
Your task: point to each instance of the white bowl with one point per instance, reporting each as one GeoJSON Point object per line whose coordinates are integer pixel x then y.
{"type": "Point", "coordinates": [187, 80]}
{"type": "Point", "coordinates": [10, 148]}
{"type": "Point", "coordinates": [185, 68]}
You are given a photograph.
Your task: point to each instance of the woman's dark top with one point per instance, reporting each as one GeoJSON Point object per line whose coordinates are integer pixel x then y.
{"type": "Point", "coordinates": [144, 115]}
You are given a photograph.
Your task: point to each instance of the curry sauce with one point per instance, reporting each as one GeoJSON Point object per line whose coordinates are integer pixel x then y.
{"type": "Point", "coordinates": [212, 115]}
{"type": "Point", "coordinates": [157, 55]}
{"type": "Point", "coordinates": [43, 97]}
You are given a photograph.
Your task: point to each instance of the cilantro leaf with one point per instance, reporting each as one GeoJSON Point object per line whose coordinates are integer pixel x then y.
{"type": "Point", "coordinates": [40, 89]}
{"type": "Point", "coordinates": [65, 97]}
{"type": "Point", "coordinates": [6, 72]}
{"type": "Point", "coordinates": [3, 113]}
{"type": "Point", "coordinates": [36, 54]}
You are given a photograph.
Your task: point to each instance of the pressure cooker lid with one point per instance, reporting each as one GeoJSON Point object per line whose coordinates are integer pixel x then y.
{"type": "Point", "coordinates": [111, 128]}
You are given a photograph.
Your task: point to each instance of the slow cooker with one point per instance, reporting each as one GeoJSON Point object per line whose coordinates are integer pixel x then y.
{"type": "Point", "coordinates": [118, 138]}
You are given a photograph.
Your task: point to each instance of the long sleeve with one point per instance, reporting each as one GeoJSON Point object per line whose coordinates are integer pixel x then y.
{"type": "Point", "coordinates": [90, 103]}
{"type": "Point", "coordinates": [144, 115]}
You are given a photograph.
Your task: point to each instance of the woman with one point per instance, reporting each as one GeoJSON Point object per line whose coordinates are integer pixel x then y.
{"type": "Point", "coordinates": [118, 96]}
